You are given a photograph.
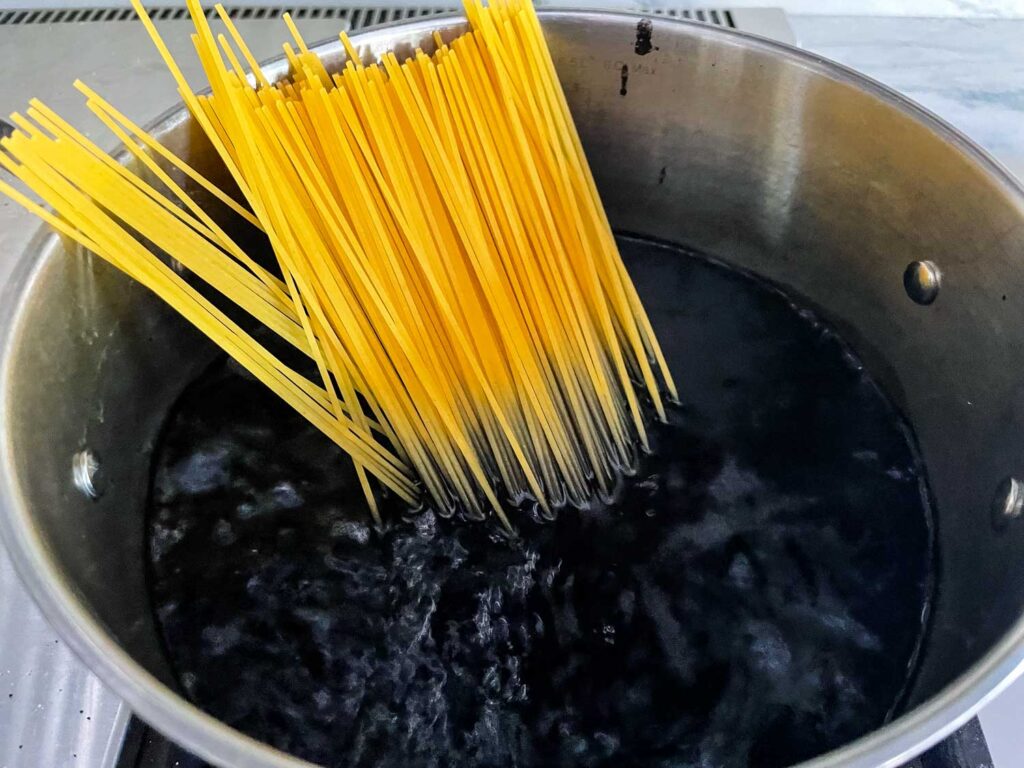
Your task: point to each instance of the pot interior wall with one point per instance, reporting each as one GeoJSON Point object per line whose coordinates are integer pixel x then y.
{"type": "Point", "coordinates": [772, 163]}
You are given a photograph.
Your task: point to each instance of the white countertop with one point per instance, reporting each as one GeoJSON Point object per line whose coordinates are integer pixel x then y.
{"type": "Point", "coordinates": [969, 72]}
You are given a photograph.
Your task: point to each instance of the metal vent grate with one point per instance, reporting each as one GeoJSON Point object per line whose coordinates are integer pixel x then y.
{"type": "Point", "coordinates": [356, 17]}
{"type": "Point", "coordinates": [722, 18]}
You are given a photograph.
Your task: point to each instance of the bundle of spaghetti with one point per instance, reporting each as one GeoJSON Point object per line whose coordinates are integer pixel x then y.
{"type": "Point", "coordinates": [444, 257]}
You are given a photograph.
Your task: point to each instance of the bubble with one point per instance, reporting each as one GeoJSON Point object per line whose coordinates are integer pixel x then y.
{"type": "Point", "coordinates": [223, 533]}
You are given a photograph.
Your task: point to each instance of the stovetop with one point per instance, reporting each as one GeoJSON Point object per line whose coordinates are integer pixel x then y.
{"type": "Point", "coordinates": [53, 711]}
{"type": "Point", "coordinates": [145, 748]}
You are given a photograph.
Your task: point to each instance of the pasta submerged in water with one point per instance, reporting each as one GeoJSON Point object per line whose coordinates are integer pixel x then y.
{"type": "Point", "coordinates": [444, 258]}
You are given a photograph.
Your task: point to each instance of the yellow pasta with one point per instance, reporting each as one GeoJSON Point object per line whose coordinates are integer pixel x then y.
{"type": "Point", "coordinates": [442, 255]}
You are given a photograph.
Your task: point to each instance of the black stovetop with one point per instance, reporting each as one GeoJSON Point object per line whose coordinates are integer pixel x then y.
{"type": "Point", "coordinates": [145, 748]}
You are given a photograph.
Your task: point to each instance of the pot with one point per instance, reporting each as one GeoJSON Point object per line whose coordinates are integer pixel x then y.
{"type": "Point", "coordinates": [766, 157]}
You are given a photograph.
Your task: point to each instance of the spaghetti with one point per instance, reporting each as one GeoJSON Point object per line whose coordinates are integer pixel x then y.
{"type": "Point", "coordinates": [443, 256]}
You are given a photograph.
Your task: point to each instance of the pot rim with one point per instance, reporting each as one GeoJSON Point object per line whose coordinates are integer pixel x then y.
{"type": "Point", "coordinates": [888, 747]}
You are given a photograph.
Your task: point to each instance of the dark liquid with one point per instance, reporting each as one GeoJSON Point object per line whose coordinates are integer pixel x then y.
{"type": "Point", "coordinates": [757, 597]}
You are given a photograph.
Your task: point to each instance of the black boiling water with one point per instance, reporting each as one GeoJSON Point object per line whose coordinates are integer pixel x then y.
{"type": "Point", "coordinates": [756, 598]}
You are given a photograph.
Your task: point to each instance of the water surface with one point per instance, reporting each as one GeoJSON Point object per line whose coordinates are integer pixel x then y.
{"type": "Point", "coordinates": [755, 598]}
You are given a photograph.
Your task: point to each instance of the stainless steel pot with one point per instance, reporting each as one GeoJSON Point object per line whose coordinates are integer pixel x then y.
{"type": "Point", "coordinates": [769, 158]}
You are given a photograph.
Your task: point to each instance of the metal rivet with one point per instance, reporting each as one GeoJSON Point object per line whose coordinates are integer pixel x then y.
{"type": "Point", "coordinates": [922, 280]}
{"type": "Point", "coordinates": [1008, 502]}
{"type": "Point", "coordinates": [86, 473]}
